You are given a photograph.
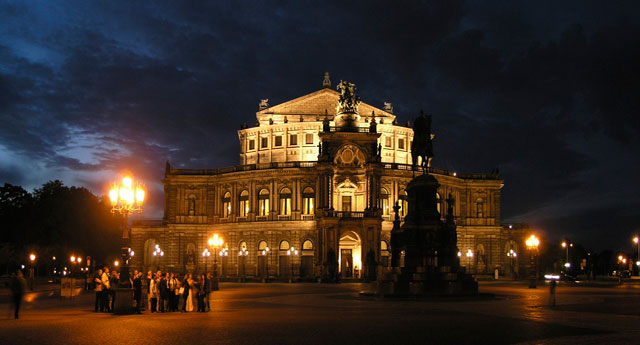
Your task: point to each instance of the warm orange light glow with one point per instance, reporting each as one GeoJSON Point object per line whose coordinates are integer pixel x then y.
{"type": "Point", "coordinates": [620, 257]}
{"type": "Point", "coordinates": [32, 257]}
{"type": "Point", "coordinates": [636, 239]}
{"type": "Point", "coordinates": [215, 241]}
{"type": "Point", "coordinates": [139, 195]}
{"type": "Point", "coordinates": [127, 182]}
{"type": "Point", "coordinates": [79, 260]}
{"type": "Point", "coordinates": [564, 244]}
{"type": "Point", "coordinates": [116, 263]}
{"type": "Point", "coordinates": [532, 242]}
{"type": "Point", "coordinates": [73, 258]}
{"type": "Point", "coordinates": [113, 195]}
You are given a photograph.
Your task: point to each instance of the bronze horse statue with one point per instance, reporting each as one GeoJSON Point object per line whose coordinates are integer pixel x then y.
{"type": "Point", "coordinates": [422, 146]}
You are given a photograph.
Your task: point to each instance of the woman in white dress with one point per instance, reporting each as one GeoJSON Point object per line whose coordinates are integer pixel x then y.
{"type": "Point", "coordinates": [191, 296]}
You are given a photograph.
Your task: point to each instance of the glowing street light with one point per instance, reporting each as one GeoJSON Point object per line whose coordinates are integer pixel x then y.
{"type": "Point", "coordinates": [291, 252]}
{"type": "Point", "coordinates": [205, 255]}
{"type": "Point", "coordinates": [532, 244]}
{"type": "Point", "coordinates": [636, 240]}
{"type": "Point", "coordinates": [216, 243]}
{"type": "Point", "coordinates": [242, 255]}
{"type": "Point", "coordinates": [265, 253]}
{"type": "Point", "coordinates": [126, 197]}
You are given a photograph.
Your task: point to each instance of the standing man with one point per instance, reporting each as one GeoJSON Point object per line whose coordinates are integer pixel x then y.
{"type": "Point", "coordinates": [97, 280]}
{"type": "Point", "coordinates": [137, 291]}
{"type": "Point", "coordinates": [164, 291]}
{"type": "Point", "coordinates": [106, 285]}
{"type": "Point", "coordinates": [18, 286]}
{"type": "Point", "coordinates": [207, 290]}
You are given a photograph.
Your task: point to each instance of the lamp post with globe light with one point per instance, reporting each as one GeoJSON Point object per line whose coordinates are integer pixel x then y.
{"type": "Point", "coordinates": [242, 255]}
{"type": "Point", "coordinates": [32, 273]}
{"type": "Point", "coordinates": [265, 253]}
{"type": "Point", "coordinates": [532, 244]}
{"type": "Point", "coordinates": [291, 253]}
{"type": "Point", "coordinates": [566, 246]}
{"type": "Point", "coordinates": [126, 198]}
{"type": "Point", "coordinates": [215, 242]}
{"type": "Point", "coordinates": [636, 240]}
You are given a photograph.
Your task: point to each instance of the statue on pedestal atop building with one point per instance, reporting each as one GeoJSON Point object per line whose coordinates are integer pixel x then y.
{"type": "Point", "coordinates": [422, 146]}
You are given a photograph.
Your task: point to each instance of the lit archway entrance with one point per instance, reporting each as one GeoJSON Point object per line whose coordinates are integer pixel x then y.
{"type": "Point", "coordinates": [350, 255]}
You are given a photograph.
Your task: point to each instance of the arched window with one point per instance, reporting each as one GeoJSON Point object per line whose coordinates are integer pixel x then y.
{"type": "Point", "coordinates": [384, 247]}
{"type": "Point", "coordinates": [403, 203]}
{"type": "Point", "coordinates": [262, 245]}
{"type": "Point", "coordinates": [480, 208]}
{"type": "Point", "coordinates": [307, 245]}
{"type": "Point", "coordinates": [244, 204]}
{"type": "Point", "coordinates": [284, 245]}
{"type": "Point", "coordinates": [308, 201]}
{"type": "Point", "coordinates": [439, 203]}
{"type": "Point", "coordinates": [226, 205]}
{"type": "Point", "coordinates": [285, 202]}
{"type": "Point", "coordinates": [384, 253]}
{"type": "Point", "coordinates": [263, 200]}
{"type": "Point", "coordinates": [242, 245]}
{"type": "Point", "coordinates": [384, 201]}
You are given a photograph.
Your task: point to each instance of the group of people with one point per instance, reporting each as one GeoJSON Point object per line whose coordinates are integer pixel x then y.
{"type": "Point", "coordinates": [105, 284]}
{"type": "Point", "coordinates": [156, 292]}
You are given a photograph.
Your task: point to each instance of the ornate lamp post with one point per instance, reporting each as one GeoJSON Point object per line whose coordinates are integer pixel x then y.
{"type": "Point", "coordinates": [32, 275]}
{"type": "Point", "coordinates": [242, 255]}
{"type": "Point", "coordinates": [158, 253]}
{"type": "Point", "coordinates": [215, 242]}
{"type": "Point", "coordinates": [469, 255]}
{"type": "Point", "coordinates": [205, 254]}
{"type": "Point", "coordinates": [223, 252]}
{"type": "Point", "coordinates": [265, 253]}
{"type": "Point", "coordinates": [512, 255]}
{"type": "Point", "coordinates": [291, 253]}
{"type": "Point", "coordinates": [126, 197]}
{"type": "Point", "coordinates": [532, 244]}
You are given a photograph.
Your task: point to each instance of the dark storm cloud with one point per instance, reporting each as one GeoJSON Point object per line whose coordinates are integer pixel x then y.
{"type": "Point", "coordinates": [546, 91]}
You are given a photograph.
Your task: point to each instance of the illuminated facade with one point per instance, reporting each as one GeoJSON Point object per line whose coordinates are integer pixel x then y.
{"type": "Point", "coordinates": [321, 175]}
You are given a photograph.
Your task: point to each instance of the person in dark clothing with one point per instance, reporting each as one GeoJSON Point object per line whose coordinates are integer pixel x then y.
{"type": "Point", "coordinates": [185, 292]}
{"type": "Point", "coordinates": [97, 281]}
{"type": "Point", "coordinates": [207, 290]}
{"type": "Point", "coordinates": [164, 291]}
{"type": "Point", "coordinates": [115, 277]}
{"type": "Point", "coordinates": [137, 292]}
{"type": "Point", "coordinates": [18, 286]}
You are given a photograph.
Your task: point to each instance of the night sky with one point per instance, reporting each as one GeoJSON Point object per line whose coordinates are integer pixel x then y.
{"type": "Point", "coordinates": [547, 92]}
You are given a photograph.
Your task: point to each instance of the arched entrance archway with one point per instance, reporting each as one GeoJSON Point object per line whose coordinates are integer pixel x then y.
{"type": "Point", "coordinates": [350, 255]}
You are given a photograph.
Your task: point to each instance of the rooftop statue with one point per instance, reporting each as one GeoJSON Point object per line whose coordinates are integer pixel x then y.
{"type": "Point", "coordinates": [348, 101]}
{"type": "Point", "coordinates": [422, 146]}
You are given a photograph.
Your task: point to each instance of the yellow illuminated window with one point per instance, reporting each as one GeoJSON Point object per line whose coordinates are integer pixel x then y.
{"type": "Point", "coordinates": [244, 204]}
{"type": "Point", "coordinates": [263, 200]}
{"type": "Point", "coordinates": [308, 198]}
{"type": "Point", "coordinates": [285, 202]}
{"type": "Point", "coordinates": [384, 201]}
{"type": "Point", "coordinates": [226, 205]}
{"type": "Point", "coordinates": [403, 203]}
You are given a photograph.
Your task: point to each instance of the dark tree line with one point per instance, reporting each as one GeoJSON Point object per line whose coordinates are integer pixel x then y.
{"type": "Point", "coordinates": [55, 220]}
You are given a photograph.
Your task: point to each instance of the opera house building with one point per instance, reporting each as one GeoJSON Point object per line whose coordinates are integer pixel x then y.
{"type": "Point", "coordinates": [315, 188]}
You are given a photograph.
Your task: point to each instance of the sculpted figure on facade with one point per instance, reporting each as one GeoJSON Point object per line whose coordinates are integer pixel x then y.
{"type": "Point", "coordinates": [348, 102]}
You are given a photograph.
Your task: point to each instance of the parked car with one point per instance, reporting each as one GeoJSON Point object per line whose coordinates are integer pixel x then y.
{"type": "Point", "coordinates": [624, 273]}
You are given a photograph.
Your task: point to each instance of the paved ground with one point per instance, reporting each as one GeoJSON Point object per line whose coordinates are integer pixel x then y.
{"type": "Point", "coordinates": [335, 314]}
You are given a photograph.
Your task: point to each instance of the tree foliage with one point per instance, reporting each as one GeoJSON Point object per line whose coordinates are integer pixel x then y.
{"type": "Point", "coordinates": [55, 220]}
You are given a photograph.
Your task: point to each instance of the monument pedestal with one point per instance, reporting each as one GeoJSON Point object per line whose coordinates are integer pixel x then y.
{"type": "Point", "coordinates": [124, 301]}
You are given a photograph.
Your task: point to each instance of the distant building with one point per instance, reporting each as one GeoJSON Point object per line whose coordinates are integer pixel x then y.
{"type": "Point", "coordinates": [321, 174]}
